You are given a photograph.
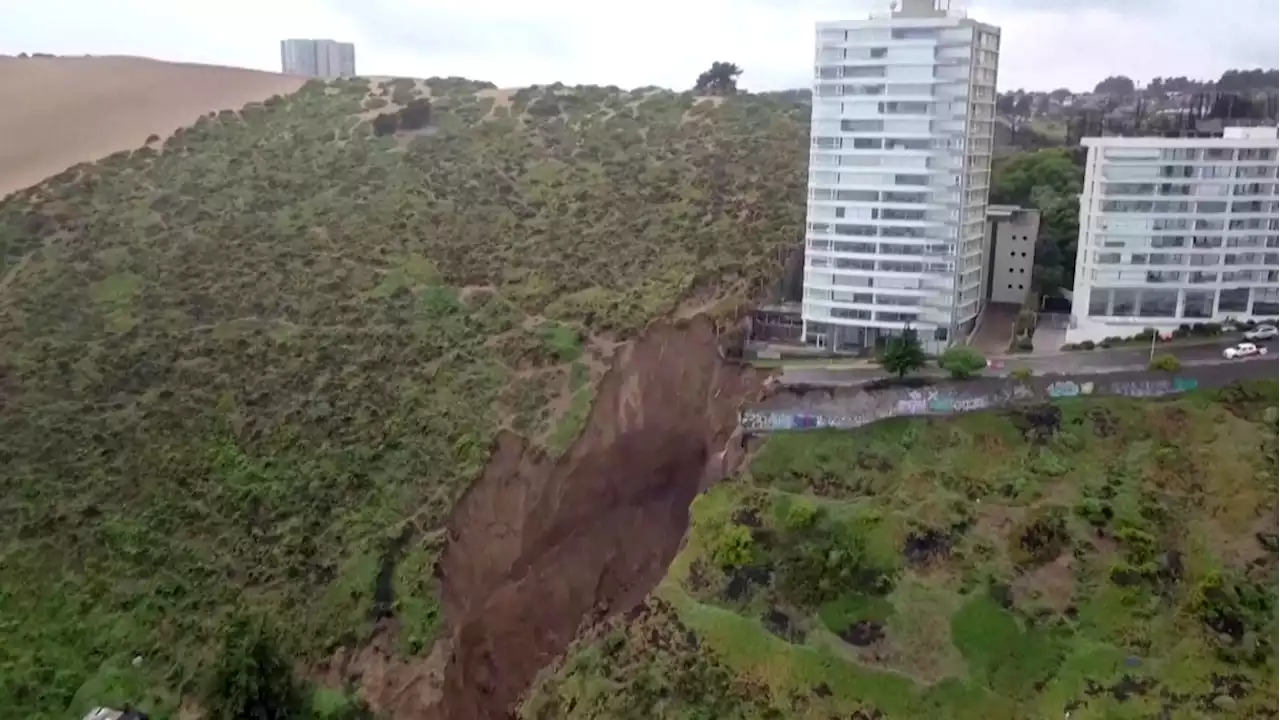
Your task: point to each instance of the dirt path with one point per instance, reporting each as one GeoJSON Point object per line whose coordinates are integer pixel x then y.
{"type": "Point", "coordinates": [537, 548]}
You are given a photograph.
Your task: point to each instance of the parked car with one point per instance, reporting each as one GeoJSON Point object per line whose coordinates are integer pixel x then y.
{"type": "Point", "coordinates": [1243, 350]}
{"type": "Point", "coordinates": [1262, 332]}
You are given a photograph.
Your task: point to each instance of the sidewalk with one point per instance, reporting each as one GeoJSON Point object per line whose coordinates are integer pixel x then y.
{"type": "Point", "coordinates": [870, 364]}
{"type": "Point", "coordinates": [1224, 338]}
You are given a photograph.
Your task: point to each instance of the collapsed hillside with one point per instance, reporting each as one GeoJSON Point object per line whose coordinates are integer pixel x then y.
{"type": "Point", "coordinates": [1097, 557]}
{"type": "Point", "coordinates": [254, 367]}
{"type": "Point", "coordinates": [537, 547]}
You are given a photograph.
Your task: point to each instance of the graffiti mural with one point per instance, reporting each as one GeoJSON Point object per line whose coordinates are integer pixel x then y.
{"type": "Point", "coordinates": [915, 403]}
{"type": "Point", "coordinates": [855, 408]}
{"type": "Point", "coordinates": [969, 404]}
{"type": "Point", "coordinates": [1063, 389]}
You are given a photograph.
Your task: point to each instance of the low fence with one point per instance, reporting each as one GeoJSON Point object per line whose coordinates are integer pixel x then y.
{"type": "Point", "coordinates": [847, 408]}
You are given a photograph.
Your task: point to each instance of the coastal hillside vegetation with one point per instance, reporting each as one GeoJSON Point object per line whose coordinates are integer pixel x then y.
{"type": "Point", "coordinates": [251, 367]}
{"type": "Point", "coordinates": [1097, 557]}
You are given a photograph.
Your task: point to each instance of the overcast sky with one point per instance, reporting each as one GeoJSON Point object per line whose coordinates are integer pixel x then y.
{"type": "Point", "coordinates": [1046, 43]}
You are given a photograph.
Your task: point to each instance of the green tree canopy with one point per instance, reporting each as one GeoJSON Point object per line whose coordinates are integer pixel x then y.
{"type": "Point", "coordinates": [903, 354]}
{"type": "Point", "coordinates": [1050, 181]}
{"type": "Point", "coordinates": [1116, 85]}
{"type": "Point", "coordinates": [1017, 177]}
{"type": "Point", "coordinates": [721, 79]}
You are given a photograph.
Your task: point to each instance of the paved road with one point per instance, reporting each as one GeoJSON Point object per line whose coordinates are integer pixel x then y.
{"type": "Point", "coordinates": [1092, 361]}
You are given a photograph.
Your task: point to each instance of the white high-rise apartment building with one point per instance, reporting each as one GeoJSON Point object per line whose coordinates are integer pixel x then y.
{"type": "Point", "coordinates": [318, 58]}
{"type": "Point", "coordinates": [899, 167]}
{"type": "Point", "coordinates": [1177, 231]}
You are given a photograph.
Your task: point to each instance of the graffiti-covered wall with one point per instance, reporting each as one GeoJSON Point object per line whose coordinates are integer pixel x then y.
{"type": "Point", "coordinates": [851, 407]}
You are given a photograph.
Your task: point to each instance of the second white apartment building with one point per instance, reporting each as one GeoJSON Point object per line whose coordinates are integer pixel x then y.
{"type": "Point", "coordinates": [318, 58]}
{"type": "Point", "coordinates": [899, 169]}
{"type": "Point", "coordinates": [1177, 231]}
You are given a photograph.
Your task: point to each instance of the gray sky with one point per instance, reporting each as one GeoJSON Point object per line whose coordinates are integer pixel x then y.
{"type": "Point", "coordinates": [1046, 43]}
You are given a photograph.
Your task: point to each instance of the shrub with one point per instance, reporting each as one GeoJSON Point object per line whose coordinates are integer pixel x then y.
{"type": "Point", "coordinates": [385, 124]}
{"type": "Point", "coordinates": [1213, 329]}
{"type": "Point", "coordinates": [1165, 363]}
{"type": "Point", "coordinates": [1020, 374]}
{"type": "Point", "coordinates": [1041, 537]}
{"type": "Point", "coordinates": [375, 103]}
{"type": "Point", "coordinates": [251, 677]}
{"type": "Point", "coordinates": [732, 547]}
{"type": "Point", "coordinates": [415, 115]}
{"type": "Point", "coordinates": [800, 516]}
{"type": "Point", "coordinates": [962, 361]}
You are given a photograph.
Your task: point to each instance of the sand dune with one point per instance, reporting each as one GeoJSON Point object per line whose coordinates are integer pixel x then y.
{"type": "Point", "coordinates": [56, 112]}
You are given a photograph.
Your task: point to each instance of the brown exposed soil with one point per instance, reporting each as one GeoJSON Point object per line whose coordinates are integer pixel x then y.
{"type": "Point", "coordinates": [536, 548]}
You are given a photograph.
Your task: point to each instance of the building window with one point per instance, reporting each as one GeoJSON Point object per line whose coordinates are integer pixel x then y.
{"type": "Point", "coordinates": [862, 125]}
{"type": "Point", "coordinates": [1233, 300]}
{"type": "Point", "coordinates": [1098, 301]}
{"type": "Point", "coordinates": [1265, 301]}
{"type": "Point", "coordinates": [1124, 303]}
{"type": "Point", "coordinates": [1197, 304]}
{"type": "Point", "coordinates": [1158, 303]}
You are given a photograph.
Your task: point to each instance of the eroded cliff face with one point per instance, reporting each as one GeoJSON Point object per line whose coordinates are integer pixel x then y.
{"type": "Point", "coordinates": [538, 547]}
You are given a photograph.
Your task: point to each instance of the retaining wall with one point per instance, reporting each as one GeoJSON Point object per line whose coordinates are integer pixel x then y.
{"type": "Point", "coordinates": [847, 408]}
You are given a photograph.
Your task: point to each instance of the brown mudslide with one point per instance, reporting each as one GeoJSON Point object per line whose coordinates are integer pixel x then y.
{"type": "Point", "coordinates": [536, 547]}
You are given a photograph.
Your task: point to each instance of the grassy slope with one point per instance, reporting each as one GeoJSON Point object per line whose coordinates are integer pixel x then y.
{"type": "Point", "coordinates": [252, 369]}
{"type": "Point", "coordinates": [1111, 557]}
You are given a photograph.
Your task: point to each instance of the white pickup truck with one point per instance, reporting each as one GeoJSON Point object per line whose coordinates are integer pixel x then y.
{"type": "Point", "coordinates": [1243, 350]}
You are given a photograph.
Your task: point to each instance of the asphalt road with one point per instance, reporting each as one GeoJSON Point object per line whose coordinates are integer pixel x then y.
{"type": "Point", "coordinates": [1085, 361]}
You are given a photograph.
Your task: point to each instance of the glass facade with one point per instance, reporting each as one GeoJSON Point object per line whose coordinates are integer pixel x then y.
{"type": "Point", "coordinates": [1179, 230]}
{"type": "Point", "coordinates": [898, 176]}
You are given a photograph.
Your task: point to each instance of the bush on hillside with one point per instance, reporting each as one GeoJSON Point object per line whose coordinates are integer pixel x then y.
{"type": "Point", "coordinates": [386, 124]}
{"type": "Point", "coordinates": [251, 678]}
{"type": "Point", "coordinates": [1165, 363]}
{"type": "Point", "coordinates": [415, 115]}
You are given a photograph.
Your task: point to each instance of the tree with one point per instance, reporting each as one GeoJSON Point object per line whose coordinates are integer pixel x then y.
{"type": "Point", "coordinates": [962, 361]}
{"type": "Point", "coordinates": [903, 354]}
{"type": "Point", "coordinates": [252, 679]}
{"type": "Point", "coordinates": [1017, 177]}
{"type": "Point", "coordinates": [1050, 181]}
{"type": "Point", "coordinates": [1116, 85]}
{"type": "Point", "coordinates": [721, 79]}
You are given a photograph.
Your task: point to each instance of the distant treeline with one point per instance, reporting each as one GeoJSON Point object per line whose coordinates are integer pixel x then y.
{"type": "Point", "coordinates": [1237, 81]}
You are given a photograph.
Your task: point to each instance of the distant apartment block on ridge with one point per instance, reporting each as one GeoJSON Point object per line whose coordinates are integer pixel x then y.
{"type": "Point", "coordinates": [899, 170]}
{"type": "Point", "coordinates": [318, 58]}
{"type": "Point", "coordinates": [1177, 231]}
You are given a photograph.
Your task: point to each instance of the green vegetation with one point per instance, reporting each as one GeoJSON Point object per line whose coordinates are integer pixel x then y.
{"type": "Point", "coordinates": [962, 361]}
{"type": "Point", "coordinates": [1050, 181]}
{"type": "Point", "coordinates": [1166, 363]}
{"type": "Point", "coordinates": [903, 354]}
{"type": "Point", "coordinates": [1105, 557]}
{"type": "Point", "coordinates": [720, 79]}
{"type": "Point", "coordinates": [257, 367]}
{"type": "Point", "coordinates": [251, 678]}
